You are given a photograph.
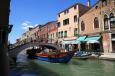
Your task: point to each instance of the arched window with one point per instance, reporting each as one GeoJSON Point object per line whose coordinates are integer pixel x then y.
{"type": "Point", "coordinates": [82, 26]}
{"type": "Point", "coordinates": [112, 20]}
{"type": "Point", "coordinates": [106, 26]}
{"type": "Point", "coordinates": [104, 2]}
{"type": "Point", "coordinates": [96, 22]}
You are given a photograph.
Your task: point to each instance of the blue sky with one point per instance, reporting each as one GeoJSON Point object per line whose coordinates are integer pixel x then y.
{"type": "Point", "coordinates": [29, 13]}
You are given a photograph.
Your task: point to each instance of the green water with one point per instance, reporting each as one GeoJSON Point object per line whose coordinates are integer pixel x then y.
{"type": "Point", "coordinates": [76, 68]}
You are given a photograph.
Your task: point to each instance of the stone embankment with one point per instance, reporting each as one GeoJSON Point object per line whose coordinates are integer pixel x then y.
{"type": "Point", "coordinates": [108, 56]}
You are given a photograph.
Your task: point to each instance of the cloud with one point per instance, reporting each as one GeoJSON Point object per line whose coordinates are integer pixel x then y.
{"type": "Point", "coordinates": [26, 25]}
{"type": "Point", "coordinates": [36, 25]}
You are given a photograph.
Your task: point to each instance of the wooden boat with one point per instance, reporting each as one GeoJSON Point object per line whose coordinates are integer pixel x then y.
{"type": "Point", "coordinates": [81, 55]}
{"type": "Point", "coordinates": [50, 53]}
{"type": "Point", "coordinates": [64, 57]}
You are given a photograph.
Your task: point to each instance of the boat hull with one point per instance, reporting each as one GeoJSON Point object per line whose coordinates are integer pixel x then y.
{"type": "Point", "coordinates": [60, 58]}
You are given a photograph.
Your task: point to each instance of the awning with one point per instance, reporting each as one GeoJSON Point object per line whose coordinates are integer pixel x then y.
{"type": "Point", "coordinates": [82, 38]}
{"type": "Point", "coordinates": [70, 42]}
{"type": "Point", "coordinates": [113, 39]}
{"type": "Point", "coordinates": [92, 41]}
{"type": "Point", "coordinates": [112, 19]}
{"type": "Point", "coordinates": [65, 42]}
{"type": "Point", "coordinates": [74, 42]}
{"type": "Point", "coordinates": [92, 38]}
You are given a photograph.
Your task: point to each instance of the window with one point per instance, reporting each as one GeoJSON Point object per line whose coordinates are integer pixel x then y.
{"type": "Point", "coordinates": [75, 18]}
{"type": "Point", "coordinates": [59, 24]}
{"type": "Point", "coordinates": [113, 36]}
{"type": "Point", "coordinates": [74, 7]}
{"type": "Point", "coordinates": [104, 2]}
{"type": "Point", "coordinates": [61, 34]}
{"type": "Point", "coordinates": [112, 20]}
{"type": "Point", "coordinates": [114, 2]}
{"type": "Point", "coordinates": [51, 36]}
{"type": "Point", "coordinates": [66, 11]}
{"type": "Point", "coordinates": [56, 34]}
{"type": "Point", "coordinates": [59, 15]}
{"type": "Point", "coordinates": [96, 22]}
{"type": "Point", "coordinates": [106, 26]}
{"type": "Point", "coordinates": [66, 21]}
{"type": "Point", "coordinates": [82, 26]}
{"type": "Point", "coordinates": [65, 33]}
{"type": "Point", "coordinates": [75, 32]}
{"type": "Point", "coordinates": [96, 7]}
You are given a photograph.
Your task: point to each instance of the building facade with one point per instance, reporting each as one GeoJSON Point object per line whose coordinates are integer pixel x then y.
{"type": "Point", "coordinates": [68, 22]}
{"type": "Point", "coordinates": [99, 23]}
{"type": "Point", "coordinates": [43, 33]}
{"type": "Point", "coordinates": [32, 35]}
{"type": "Point", "coordinates": [52, 32]}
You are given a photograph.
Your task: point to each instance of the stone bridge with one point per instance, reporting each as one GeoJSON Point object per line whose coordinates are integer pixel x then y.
{"type": "Point", "coordinates": [15, 51]}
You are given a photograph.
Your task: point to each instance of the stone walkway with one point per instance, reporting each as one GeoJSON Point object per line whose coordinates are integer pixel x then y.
{"type": "Point", "coordinates": [108, 56]}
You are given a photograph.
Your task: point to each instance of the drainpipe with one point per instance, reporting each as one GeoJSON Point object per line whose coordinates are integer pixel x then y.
{"type": "Point", "coordinates": [4, 30]}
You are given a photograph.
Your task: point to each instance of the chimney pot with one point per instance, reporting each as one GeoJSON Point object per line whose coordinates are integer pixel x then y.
{"type": "Point", "coordinates": [89, 3]}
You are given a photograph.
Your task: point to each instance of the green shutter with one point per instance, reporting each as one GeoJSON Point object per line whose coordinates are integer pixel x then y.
{"type": "Point", "coordinates": [75, 32]}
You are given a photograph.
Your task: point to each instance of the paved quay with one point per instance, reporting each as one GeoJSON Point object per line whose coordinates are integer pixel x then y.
{"type": "Point", "coordinates": [108, 56]}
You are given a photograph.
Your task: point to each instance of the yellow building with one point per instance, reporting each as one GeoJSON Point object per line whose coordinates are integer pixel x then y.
{"type": "Point", "coordinates": [68, 23]}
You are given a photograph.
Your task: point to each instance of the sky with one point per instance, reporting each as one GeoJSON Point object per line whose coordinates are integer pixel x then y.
{"type": "Point", "coordinates": [29, 13]}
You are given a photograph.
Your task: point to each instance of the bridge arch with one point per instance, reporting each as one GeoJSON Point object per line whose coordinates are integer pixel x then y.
{"type": "Point", "coordinates": [15, 51]}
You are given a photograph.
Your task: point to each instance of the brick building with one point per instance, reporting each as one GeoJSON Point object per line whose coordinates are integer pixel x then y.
{"type": "Point", "coordinates": [97, 25]}
{"type": "Point", "coordinates": [52, 32]}
{"type": "Point", "coordinates": [43, 33]}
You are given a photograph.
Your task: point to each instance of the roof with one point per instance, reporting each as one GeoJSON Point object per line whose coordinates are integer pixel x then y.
{"type": "Point", "coordinates": [72, 6]}
{"type": "Point", "coordinates": [48, 23]}
{"type": "Point", "coordinates": [91, 7]}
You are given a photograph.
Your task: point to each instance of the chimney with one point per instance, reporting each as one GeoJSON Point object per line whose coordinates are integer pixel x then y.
{"type": "Point", "coordinates": [89, 3]}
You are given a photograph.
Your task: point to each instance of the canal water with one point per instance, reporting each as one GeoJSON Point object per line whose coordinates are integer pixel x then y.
{"type": "Point", "coordinates": [75, 68]}
{"type": "Point", "coordinates": [90, 67]}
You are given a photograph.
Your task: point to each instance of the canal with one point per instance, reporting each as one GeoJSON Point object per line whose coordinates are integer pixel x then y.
{"type": "Point", "coordinates": [90, 67]}
{"type": "Point", "coordinates": [75, 68]}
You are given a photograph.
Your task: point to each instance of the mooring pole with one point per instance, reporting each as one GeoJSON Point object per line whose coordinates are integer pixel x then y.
{"type": "Point", "coordinates": [4, 30]}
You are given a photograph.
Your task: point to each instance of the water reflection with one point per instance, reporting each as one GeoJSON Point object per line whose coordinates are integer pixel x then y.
{"type": "Point", "coordinates": [73, 68]}
{"type": "Point", "coordinates": [22, 57]}
{"type": "Point", "coordinates": [78, 68]}
{"type": "Point", "coordinates": [23, 67]}
{"type": "Point", "coordinates": [108, 67]}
